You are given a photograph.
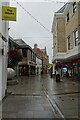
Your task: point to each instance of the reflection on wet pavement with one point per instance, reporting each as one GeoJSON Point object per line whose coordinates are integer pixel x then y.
{"type": "Point", "coordinates": [28, 98]}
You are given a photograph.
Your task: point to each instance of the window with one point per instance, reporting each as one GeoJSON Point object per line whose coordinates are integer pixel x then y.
{"type": "Point", "coordinates": [67, 17]}
{"type": "Point", "coordinates": [68, 42]}
{"type": "Point", "coordinates": [76, 37]}
{"type": "Point", "coordinates": [74, 7]}
{"type": "Point", "coordinates": [24, 52]}
{"type": "Point", "coordinates": [34, 57]}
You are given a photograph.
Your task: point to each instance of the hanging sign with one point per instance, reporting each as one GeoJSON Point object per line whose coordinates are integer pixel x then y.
{"type": "Point", "coordinates": [8, 13]}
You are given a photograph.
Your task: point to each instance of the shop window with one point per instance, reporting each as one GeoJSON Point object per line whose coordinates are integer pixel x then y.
{"type": "Point", "coordinates": [76, 38]}
{"type": "Point", "coordinates": [14, 47]}
{"type": "Point", "coordinates": [24, 52]}
{"type": "Point", "coordinates": [9, 45]}
{"type": "Point", "coordinates": [33, 57]}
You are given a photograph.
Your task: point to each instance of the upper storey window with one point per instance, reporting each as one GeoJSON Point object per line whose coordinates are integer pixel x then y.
{"type": "Point", "coordinates": [68, 40]}
{"type": "Point", "coordinates": [76, 37]}
{"type": "Point", "coordinates": [67, 16]}
{"type": "Point", "coordinates": [24, 52]}
{"type": "Point", "coordinates": [74, 7]}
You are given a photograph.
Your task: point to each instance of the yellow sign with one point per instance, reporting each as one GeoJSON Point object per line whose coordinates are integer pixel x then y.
{"type": "Point", "coordinates": [8, 13]}
{"type": "Point", "coordinates": [49, 66]}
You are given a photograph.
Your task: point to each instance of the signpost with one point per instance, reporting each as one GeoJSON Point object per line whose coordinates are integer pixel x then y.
{"type": "Point", "coordinates": [8, 13]}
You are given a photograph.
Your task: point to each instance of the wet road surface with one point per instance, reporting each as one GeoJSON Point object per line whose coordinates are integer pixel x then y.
{"type": "Point", "coordinates": [42, 97]}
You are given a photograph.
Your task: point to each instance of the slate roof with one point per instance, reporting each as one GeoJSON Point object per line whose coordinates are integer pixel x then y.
{"type": "Point", "coordinates": [61, 10]}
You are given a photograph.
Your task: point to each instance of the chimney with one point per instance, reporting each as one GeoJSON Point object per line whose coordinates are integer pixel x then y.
{"type": "Point", "coordinates": [35, 46]}
{"type": "Point", "coordinates": [45, 50]}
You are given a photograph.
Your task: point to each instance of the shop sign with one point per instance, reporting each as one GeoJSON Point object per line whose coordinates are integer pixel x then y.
{"type": "Point", "coordinates": [31, 63]}
{"type": "Point", "coordinates": [8, 13]}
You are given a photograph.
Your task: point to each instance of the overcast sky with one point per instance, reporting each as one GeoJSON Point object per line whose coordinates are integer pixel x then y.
{"type": "Point", "coordinates": [31, 31]}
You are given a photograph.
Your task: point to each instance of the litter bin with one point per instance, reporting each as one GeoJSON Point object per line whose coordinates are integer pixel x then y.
{"type": "Point", "coordinates": [58, 78]}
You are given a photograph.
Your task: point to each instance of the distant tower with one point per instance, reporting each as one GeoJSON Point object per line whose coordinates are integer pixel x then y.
{"type": "Point", "coordinates": [35, 46]}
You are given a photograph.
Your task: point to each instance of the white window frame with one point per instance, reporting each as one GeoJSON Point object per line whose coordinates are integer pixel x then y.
{"type": "Point", "coordinates": [75, 35]}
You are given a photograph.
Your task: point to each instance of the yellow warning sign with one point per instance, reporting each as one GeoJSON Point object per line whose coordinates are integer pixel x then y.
{"type": "Point", "coordinates": [8, 13]}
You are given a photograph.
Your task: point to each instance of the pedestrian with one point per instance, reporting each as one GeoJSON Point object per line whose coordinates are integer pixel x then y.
{"type": "Point", "coordinates": [51, 72]}
{"type": "Point", "coordinates": [41, 72]}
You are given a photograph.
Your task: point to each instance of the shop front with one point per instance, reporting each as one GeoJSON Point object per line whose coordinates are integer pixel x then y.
{"type": "Point", "coordinates": [32, 70]}
{"type": "Point", "coordinates": [67, 69]}
{"type": "Point", "coordinates": [71, 68]}
{"type": "Point", "coordinates": [32, 67]}
{"type": "Point", "coordinates": [24, 70]}
{"type": "Point", "coordinates": [76, 68]}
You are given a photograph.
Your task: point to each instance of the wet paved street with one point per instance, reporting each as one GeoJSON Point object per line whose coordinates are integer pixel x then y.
{"type": "Point", "coordinates": [42, 97]}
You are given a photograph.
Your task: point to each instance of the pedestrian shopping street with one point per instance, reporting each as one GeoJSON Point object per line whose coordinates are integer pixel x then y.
{"type": "Point", "coordinates": [39, 59]}
{"type": "Point", "coordinates": [42, 97]}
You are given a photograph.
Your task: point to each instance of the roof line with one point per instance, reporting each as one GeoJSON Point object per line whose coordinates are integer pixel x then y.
{"type": "Point", "coordinates": [61, 9]}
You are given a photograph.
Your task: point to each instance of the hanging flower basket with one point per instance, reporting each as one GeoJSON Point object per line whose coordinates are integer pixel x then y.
{"type": "Point", "coordinates": [14, 56]}
{"type": "Point", "coordinates": [58, 66]}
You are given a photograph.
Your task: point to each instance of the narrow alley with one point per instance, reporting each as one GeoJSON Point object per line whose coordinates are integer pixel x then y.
{"type": "Point", "coordinates": [42, 97]}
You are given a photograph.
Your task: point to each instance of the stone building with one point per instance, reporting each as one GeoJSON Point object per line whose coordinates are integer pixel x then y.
{"type": "Point", "coordinates": [66, 36]}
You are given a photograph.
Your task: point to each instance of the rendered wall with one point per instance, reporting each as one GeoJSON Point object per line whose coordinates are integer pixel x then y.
{"type": "Point", "coordinates": [3, 58]}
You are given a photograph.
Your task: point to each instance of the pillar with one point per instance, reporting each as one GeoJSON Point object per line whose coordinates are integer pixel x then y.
{"type": "Point", "coordinates": [53, 69]}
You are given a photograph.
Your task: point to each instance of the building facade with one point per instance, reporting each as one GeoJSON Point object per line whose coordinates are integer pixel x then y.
{"type": "Point", "coordinates": [66, 36]}
{"type": "Point", "coordinates": [3, 52]}
{"type": "Point", "coordinates": [39, 65]}
{"type": "Point", "coordinates": [42, 54]}
{"type": "Point", "coordinates": [27, 66]}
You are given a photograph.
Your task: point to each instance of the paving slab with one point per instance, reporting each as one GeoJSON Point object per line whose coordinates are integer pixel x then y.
{"type": "Point", "coordinates": [26, 107]}
{"type": "Point", "coordinates": [28, 99]}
